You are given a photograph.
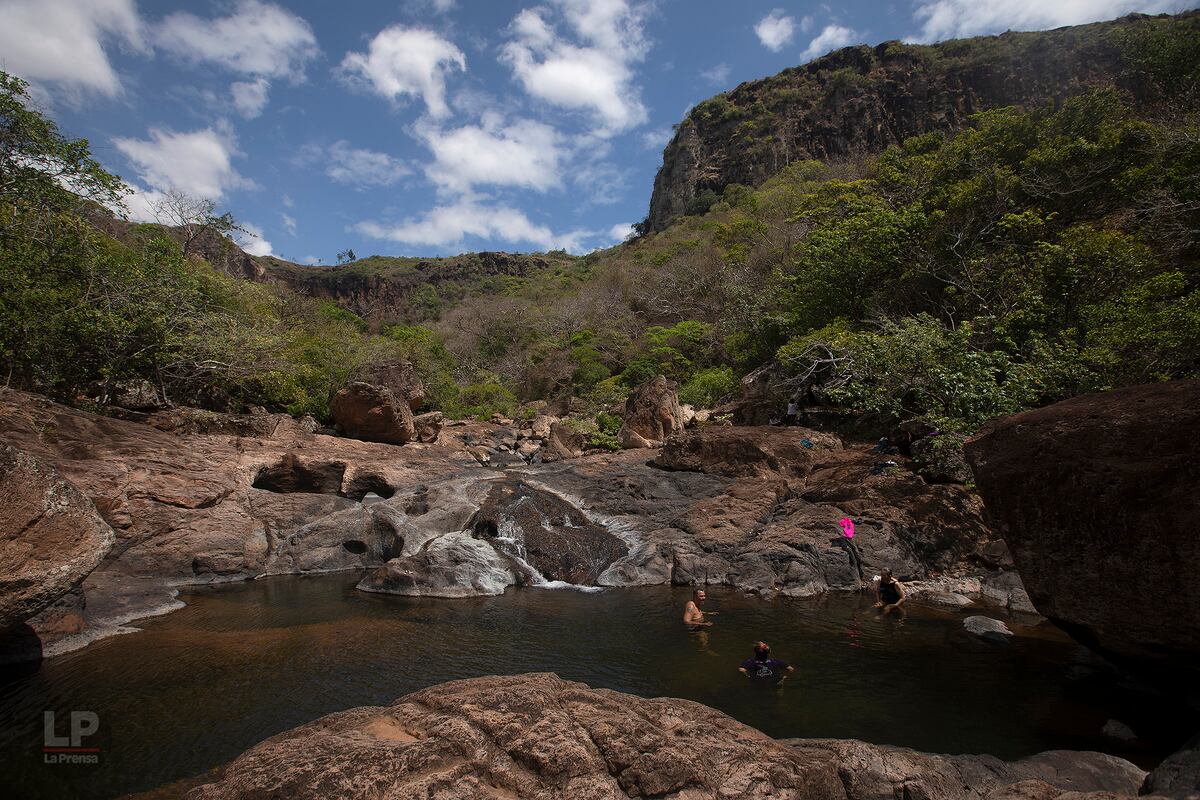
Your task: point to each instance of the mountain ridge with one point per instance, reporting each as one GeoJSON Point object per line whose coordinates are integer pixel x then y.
{"type": "Point", "coordinates": [860, 100]}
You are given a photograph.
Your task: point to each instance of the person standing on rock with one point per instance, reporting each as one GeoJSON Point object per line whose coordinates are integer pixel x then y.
{"type": "Point", "coordinates": [693, 615]}
{"type": "Point", "coordinates": [889, 593]}
{"type": "Point", "coordinates": [764, 668]}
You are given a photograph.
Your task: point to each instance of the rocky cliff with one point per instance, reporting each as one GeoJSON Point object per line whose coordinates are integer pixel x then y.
{"type": "Point", "coordinates": [863, 99]}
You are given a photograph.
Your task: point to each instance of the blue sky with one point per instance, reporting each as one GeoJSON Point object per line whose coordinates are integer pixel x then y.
{"type": "Point", "coordinates": [432, 127]}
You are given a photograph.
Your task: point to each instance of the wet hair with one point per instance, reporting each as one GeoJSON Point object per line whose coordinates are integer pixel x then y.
{"type": "Point", "coordinates": [697, 591]}
{"type": "Point", "coordinates": [885, 573]}
{"type": "Point", "coordinates": [762, 651]}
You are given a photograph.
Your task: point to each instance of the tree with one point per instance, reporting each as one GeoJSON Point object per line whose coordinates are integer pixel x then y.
{"type": "Point", "coordinates": [346, 256]}
{"type": "Point", "coordinates": [192, 216]}
{"type": "Point", "coordinates": [40, 169]}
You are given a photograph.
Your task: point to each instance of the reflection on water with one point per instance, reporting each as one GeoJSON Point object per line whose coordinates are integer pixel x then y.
{"type": "Point", "coordinates": [244, 662]}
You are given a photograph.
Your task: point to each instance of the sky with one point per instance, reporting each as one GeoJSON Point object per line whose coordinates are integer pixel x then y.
{"type": "Point", "coordinates": [432, 127]}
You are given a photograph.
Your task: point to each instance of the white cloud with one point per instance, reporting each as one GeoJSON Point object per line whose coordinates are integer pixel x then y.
{"type": "Point", "coordinates": [657, 139]}
{"type": "Point", "coordinates": [947, 19]}
{"type": "Point", "coordinates": [776, 30]}
{"type": "Point", "coordinates": [287, 201]}
{"type": "Point", "coordinates": [523, 153]}
{"type": "Point", "coordinates": [289, 224]}
{"type": "Point", "coordinates": [448, 226]}
{"type": "Point", "coordinates": [360, 167]}
{"type": "Point", "coordinates": [620, 232]}
{"type": "Point", "coordinates": [258, 38]}
{"type": "Point", "coordinates": [806, 24]}
{"type": "Point", "coordinates": [718, 75]}
{"type": "Point", "coordinates": [589, 69]}
{"type": "Point", "coordinates": [198, 163]}
{"type": "Point", "coordinates": [250, 97]}
{"type": "Point", "coordinates": [62, 42]}
{"type": "Point", "coordinates": [402, 61]}
{"type": "Point", "coordinates": [831, 38]}
{"type": "Point", "coordinates": [442, 6]}
{"type": "Point", "coordinates": [251, 240]}
{"type": "Point", "coordinates": [312, 260]}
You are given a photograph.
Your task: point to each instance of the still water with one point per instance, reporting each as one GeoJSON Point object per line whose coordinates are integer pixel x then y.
{"type": "Point", "coordinates": [243, 662]}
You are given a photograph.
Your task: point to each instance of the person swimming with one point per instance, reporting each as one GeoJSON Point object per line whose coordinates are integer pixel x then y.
{"type": "Point", "coordinates": [693, 615]}
{"type": "Point", "coordinates": [764, 668]}
{"type": "Point", "coordinates": [889, 593]}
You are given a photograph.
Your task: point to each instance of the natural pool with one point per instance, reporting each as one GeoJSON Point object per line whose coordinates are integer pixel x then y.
{"type": "Point", "coordinates": [243, 662]}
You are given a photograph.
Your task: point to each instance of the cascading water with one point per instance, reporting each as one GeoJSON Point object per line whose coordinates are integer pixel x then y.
{"type": "Point", "coordinates": [551, 542]}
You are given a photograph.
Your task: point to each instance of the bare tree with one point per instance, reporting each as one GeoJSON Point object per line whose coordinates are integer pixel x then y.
{"type": "Point", "coordinates": [191, 216]}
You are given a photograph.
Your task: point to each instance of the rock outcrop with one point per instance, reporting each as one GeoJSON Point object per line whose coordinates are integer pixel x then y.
{"type": "Point", "coordinates": [539, 737]}
{"type": "Point", "coordinates": [1097, 499]}
{"type": "Point", "coordinates": [254, 494]}
{"type": "Point", "coordinates": [373, 413]}
{"type": "Point", "coordinates": [52, 537]}
{"type": "Point", "coordinates": [652, 413]}
{"type": "Point", "coordinates": [863, 99]}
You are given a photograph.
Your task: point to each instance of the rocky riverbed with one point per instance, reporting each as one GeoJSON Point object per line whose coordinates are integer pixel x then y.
{"type": "Point", "coordinates": [194, 497]}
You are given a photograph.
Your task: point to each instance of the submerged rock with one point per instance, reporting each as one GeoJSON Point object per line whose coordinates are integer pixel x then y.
{"type": "Point", "coordinates": [539, 737]}
{"type": "Point", "coordinates": [987, 628]}
{"type": "Point", "coordinates": [52, 536]}
{"type": "Point", "coordinates": [1097, 499]}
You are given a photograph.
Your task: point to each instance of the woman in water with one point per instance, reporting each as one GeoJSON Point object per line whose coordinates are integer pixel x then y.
{"type": "Point", "coordinates": [889, 593]}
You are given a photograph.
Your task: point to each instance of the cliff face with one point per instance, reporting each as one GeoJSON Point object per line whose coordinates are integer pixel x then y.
{"type": "Point", "coordinates": [861, 100]}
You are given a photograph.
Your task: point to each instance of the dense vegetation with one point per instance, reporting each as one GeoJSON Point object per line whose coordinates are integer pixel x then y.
{"type": "Point", "coordinates": [1031, 257]}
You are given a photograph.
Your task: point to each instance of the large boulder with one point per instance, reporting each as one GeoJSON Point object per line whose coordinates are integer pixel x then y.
{"type": "Point", "coordinates": [429, 426]}
{"type": "Point", "coordinates": [562, 442]}
{"type": "Point", "coordinates": [52, 536]}
{"type": "Point", "coordinates": [400, 377]}
{"type": "Point", "coordinates": [372, 413]}
{"type": "Point", "coordinates": [652, 413]}
{"type": "Point", "coordinates": [1097, 499]}
{"type": "Point", "coordinates": [539, 737]}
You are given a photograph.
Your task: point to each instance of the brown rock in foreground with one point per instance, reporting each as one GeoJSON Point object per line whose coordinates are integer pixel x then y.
{"type": "Point", "coordinates": [50, 536]}
{"type": "Point", "coordinates": [373, 414]}
{"type": "Point", "coordinates": [537, 736]}
{"type": "Point", "coordinates": [1097, 498]}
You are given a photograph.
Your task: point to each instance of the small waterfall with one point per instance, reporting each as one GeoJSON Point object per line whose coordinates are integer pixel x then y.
{"type": "Point", "coordinates": [510, 540]}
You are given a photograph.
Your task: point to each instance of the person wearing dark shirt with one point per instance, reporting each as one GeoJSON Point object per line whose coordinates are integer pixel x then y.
{"type": "Point", "coordinates": [763, 667]}
{"type": "Point", "coordinates": [889, 593]}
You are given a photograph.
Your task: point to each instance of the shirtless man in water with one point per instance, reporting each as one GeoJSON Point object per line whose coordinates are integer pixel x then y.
{"type": "Point", "coordinates": [693, 616]}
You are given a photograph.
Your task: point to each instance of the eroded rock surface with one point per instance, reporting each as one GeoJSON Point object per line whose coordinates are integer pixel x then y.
{"type": "Point", "coordinates": [1097, 499]}
{"type": "Point", "coordinates": [51, 537]}
{"type": "Point", "coordinates": [537, 736]}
